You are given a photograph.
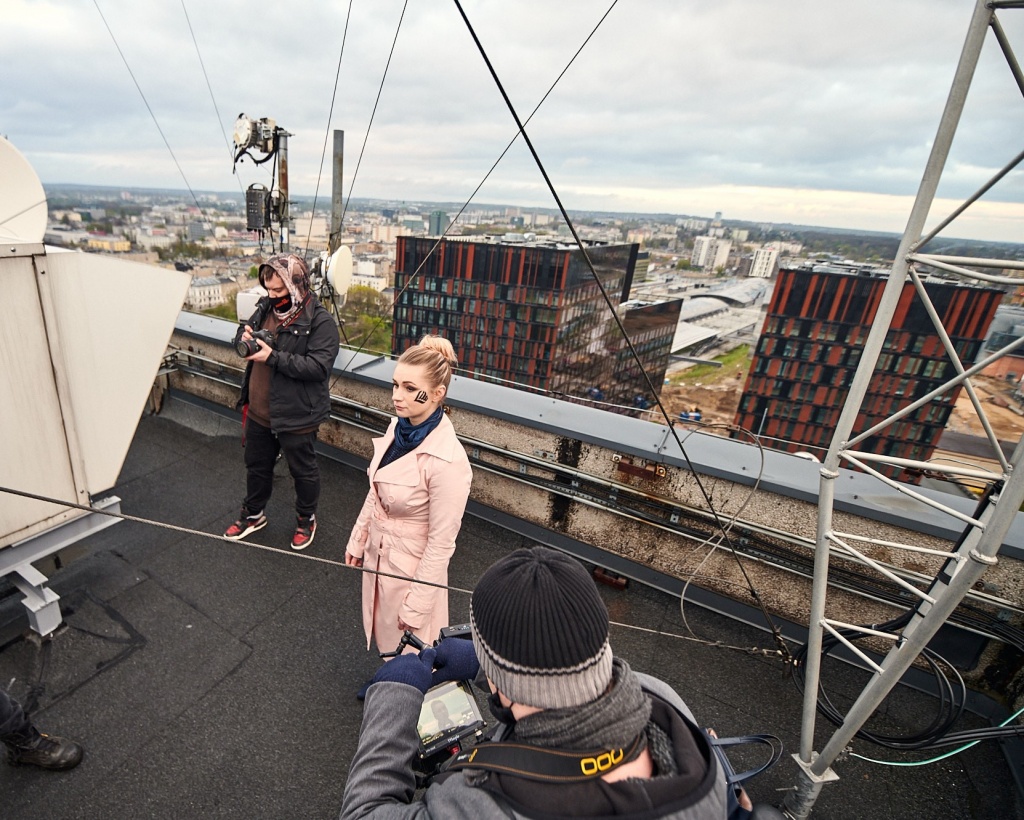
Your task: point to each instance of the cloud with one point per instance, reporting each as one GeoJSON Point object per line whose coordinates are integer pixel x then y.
{"type": "Point", "coordinates": [810, 107]}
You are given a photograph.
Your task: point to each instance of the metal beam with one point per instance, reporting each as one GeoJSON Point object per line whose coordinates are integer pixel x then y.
{"type": "Point", "coordinates": [815, 768]}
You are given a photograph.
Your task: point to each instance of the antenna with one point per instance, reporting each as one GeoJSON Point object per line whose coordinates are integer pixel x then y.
{"type": "Point", "coordinates": [264, 207]}
{"type": "Point", "coordinates": [23, 206]}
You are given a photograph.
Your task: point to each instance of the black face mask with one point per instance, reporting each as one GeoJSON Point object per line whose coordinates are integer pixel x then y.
{"type": "Point", "coordinates": [501, 713]}
{"type": "Point", "coordinates": [282, 303]}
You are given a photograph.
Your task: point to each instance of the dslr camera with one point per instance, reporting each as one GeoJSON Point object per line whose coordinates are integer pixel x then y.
{"type": "Point", "coordinates": [246, 347]}
{"type": "Point", "coordinates": [450, 718]}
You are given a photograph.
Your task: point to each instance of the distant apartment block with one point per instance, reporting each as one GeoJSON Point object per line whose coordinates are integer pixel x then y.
{"type": "Point", "coordinates": [789, 248]}
{"type": "Point", "coordinates": [438, 223]}
{"type": "Point", "coordinates": [311, 232]}
{"type": "Point", "coordinates": [195, 231]}
{"type": "Point", "coordinates": [371, 273]}
{"type": "Point", "coordinates": [765, 263]}
{"type": "Point", "coordinates": [111, 244]}
{"type": "Point", "coordinates": [809, 349]}
{"type": "Point", "coordinates": [710, 252]}
{"type": "Point", "coordinates": [386, 233]}
{"type": "Point", "coordinates": [642, 268]}
{"type": "Point", "coordinates": [529, 313]}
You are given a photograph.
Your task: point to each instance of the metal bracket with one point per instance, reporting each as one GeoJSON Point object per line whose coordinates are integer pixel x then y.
{"type": "Point", "coordinates": [42, 603]}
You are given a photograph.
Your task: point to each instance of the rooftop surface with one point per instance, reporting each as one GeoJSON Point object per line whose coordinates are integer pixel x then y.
{"type": "Point", "coordinates": [213, 679]}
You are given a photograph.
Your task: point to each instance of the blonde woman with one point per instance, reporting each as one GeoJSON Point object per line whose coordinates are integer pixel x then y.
{"type": "Point", "coordinates": [419, 484]}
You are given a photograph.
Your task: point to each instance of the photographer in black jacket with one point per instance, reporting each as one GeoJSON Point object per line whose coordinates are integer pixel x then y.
{"type": "Point", "coordinates": [291, 343]}
{"type": "Point", "coordinates": [579, 733]}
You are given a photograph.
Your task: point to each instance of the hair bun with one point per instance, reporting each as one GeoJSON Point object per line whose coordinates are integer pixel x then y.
{"type": "Point", "coordinates": [442, 346]}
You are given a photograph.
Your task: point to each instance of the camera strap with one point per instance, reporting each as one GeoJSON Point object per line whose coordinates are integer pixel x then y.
{"type": "Point", "coordinates": [295, 315]}
{"type": "Point", "coordinates": [545, 765]}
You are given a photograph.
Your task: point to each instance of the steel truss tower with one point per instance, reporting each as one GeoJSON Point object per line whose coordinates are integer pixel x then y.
{"type": "Point", "coordinates": [983, 531]}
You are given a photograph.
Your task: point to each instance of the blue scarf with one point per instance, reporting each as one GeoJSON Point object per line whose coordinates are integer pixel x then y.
{"type": "Point", "coordinates": [409, 436]}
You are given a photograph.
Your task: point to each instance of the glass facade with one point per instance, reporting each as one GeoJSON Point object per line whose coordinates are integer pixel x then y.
{"type": "Point", "coordinates": [810, 347]}
{"type": "Point", "coordinates": [528, 314]}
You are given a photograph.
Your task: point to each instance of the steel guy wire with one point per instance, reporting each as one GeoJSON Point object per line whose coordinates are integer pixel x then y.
{"type": "Point", "coordinates": [776, 633]}
{"type": "Point", "coordinates": [341, 564]}
{"type": "Point", "coordinates": [149, 108]}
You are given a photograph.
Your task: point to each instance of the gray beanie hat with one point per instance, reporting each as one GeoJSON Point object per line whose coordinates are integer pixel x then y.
{"type": "Point", "coordinates": [540, 630]}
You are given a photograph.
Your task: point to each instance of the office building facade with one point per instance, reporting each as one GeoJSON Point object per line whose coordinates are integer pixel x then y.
{"type": "Point", "coordinates": [810, 346]}
{"type": "Point", "coordinates": [529, 315]}
{"type": "Point", "coordinates": [652, 329]}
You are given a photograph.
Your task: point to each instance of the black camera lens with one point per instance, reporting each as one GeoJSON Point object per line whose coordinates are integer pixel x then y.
{"type": "Point", "coordinates": [246, 347]}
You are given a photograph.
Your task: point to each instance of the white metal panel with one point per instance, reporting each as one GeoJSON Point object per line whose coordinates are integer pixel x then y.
{"type": "Point", "coordinates": [111, 323]}
{"type": "Point", "coordinates": [34, 452]}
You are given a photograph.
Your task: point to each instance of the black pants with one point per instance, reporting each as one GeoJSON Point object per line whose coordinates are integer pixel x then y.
{"type": "Point", "coordinates": [14, 726]}
{"type": "Point", "coordinates": [261, 449]}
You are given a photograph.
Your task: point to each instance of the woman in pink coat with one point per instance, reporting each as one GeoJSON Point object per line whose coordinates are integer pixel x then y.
{"type": "Point", "coordinates": [419, 484]}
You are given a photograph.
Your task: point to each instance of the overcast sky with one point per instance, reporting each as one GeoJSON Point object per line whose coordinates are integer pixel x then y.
{"type": "Point", "coordinates": [817, 112]}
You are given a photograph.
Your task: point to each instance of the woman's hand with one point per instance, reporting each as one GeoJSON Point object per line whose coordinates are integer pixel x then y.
{"type": "Point", "coordinates": [403, 626]}
{"type": "Point", "coordinates": [351, 560]}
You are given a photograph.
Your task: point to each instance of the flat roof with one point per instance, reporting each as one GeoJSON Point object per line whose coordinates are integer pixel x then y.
{"type": "Point", "coordinates": [208, 678]}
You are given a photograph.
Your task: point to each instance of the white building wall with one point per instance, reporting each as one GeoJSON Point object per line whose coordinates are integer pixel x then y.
{"type": "Point", "coordinates": [765, 263]}
{"type": "Point", "coordinates": [701, 246]}
{"type": "Point", "coordinates": [721, 256]}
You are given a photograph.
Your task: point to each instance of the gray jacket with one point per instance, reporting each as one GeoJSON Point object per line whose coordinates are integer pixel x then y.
{"type": "Point", "coordinates": [381, 783]}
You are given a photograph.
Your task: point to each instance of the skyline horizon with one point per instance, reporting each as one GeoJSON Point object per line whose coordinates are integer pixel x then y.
{"type": "Point", "coordinates": [551, 210]}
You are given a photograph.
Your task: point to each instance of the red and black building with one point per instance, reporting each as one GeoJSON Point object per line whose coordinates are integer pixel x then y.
{"type": "Point", "coordinates": [811, 343]}
{"type": "Point", "coordinates": [526, 314]}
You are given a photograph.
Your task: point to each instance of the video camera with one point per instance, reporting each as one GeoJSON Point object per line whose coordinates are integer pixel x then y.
{"type": "Point", "coordinates": [449, 717]}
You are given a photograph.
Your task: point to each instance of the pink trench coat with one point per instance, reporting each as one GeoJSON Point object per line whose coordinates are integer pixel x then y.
{"type": "Point", "coordinates": [407, 526]}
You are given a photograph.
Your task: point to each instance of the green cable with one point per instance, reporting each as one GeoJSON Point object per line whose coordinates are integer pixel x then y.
{"type": "Point", "coordinates": [934, 759]}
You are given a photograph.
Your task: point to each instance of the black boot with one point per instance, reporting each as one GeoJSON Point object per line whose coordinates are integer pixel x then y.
{"type": "Point", "coordinates": [44, 751]}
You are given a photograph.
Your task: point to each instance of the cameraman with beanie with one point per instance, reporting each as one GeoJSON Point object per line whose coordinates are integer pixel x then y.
{"type": "Point", "coordinates": [285, 393]}
{"type": "Point", "coordinates": [579, 733]}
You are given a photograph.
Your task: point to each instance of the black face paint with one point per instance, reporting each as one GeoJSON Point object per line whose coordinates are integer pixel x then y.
{"type": "Point", "coordinates": [421, 397]}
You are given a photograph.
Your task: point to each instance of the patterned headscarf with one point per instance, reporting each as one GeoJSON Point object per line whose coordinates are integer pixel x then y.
{"type": "Point", "coordinates": [294, 273]}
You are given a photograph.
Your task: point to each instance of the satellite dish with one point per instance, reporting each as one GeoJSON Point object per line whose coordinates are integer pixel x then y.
{"type": "Point", "coordinates": [22, 198]}
{"type": "Point", "coordinates": [339, 270]}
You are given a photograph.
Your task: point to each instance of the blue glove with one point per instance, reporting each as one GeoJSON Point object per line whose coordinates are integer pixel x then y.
{"type": "Point", "coordinates": [411, 669]}
{"type": "Point", "coordinates": [456, 660]}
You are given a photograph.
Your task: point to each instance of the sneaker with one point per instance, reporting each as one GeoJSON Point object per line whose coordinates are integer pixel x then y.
{"type": "Point", "coordinates": [305, 529]}
{"type": "Point", "coordinates": [46, 752]}
{"type": "Point", "coordinates": [245, 525]}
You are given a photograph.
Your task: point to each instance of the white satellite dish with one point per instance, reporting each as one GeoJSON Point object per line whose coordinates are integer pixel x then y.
{"type": "Point", "coordinates": [22, 198]}
{"type": "Point", "coordinates": [339, 270]}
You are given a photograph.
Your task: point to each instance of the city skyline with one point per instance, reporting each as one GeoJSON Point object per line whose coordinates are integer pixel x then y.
{"type": "Point", "coordinates": [801, 113]}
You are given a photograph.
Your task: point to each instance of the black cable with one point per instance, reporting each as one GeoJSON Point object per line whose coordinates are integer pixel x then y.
{"type": "Point", "coordinates": [330, 115]}
{"type": "Point", "coordinates": [951, 699]}
{"type": "Point", "coordinates": [369, 125]}
{"type": "Point", "coordinates": [148, 108]}
{"type": "Point", "coordinates": [501, 156]}
{"type": "Point", "coordinates": [776, 633]}
{"type": "Point", "coordinates": [202, 65]}
{"type": "Point", "coordinates": [362, 150]}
